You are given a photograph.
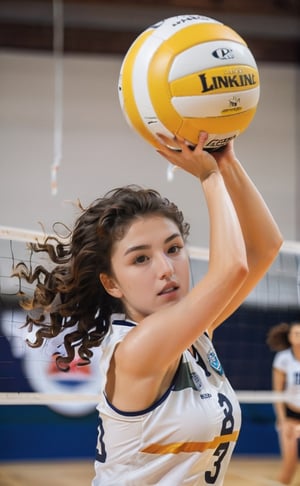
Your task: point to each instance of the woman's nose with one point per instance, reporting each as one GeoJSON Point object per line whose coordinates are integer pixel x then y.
{"type": "Point", "coordinates": [165, 267]}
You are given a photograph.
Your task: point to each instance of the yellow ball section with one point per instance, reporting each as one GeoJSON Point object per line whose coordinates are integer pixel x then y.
{"type": "Point", "coordinates": [190, 128]}
{"type": "Point", "coordinates": [129, 104]}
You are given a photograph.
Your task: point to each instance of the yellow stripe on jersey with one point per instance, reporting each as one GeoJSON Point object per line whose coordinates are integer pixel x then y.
{"type": "Point", "coordinates": [177, 447]}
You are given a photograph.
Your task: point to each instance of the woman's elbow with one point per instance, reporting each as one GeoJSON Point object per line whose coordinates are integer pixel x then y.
{"type": "Point", "coordinates": [238, 272]}
{"type": "Point", "coordinates": [271, 252]}
{"type": "Point", "coordinates": [242, 270]}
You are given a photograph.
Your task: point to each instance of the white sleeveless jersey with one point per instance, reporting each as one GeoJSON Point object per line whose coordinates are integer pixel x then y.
{"type": "Point", "coordinates": [288, 364]}
{"type": "Point", "coordinates": [186, 438]}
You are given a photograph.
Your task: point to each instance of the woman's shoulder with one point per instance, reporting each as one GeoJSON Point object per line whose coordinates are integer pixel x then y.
{"type": "Point", "coordinates": [119, 327]}
{"type": "Point", "coordinates": [282, 358]}
{"type": "Point", "coordinates": [284, 352]}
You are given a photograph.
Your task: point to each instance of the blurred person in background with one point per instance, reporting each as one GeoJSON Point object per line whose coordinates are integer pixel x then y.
{"type": "Point", "coordinates": [284, 338]}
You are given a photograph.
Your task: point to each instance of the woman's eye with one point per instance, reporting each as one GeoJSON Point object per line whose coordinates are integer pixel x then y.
{"type": "Point", "coordinates": [140, 259]}
{"type": "Point", "coordinates": [174, 249]}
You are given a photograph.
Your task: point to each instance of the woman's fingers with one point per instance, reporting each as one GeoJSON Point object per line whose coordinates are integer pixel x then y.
{"type": "Point", "coordinates": [178, 143]}
{"type": "Point", "coordinates": [197, 162]}
{"type": "Point", "coordinates": [203, 136]}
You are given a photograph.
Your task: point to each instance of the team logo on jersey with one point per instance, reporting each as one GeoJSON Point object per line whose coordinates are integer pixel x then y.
{"type": "Point", "coordinates": [196, 380]}
{"type": "Point", "coordinates": [214, 362]}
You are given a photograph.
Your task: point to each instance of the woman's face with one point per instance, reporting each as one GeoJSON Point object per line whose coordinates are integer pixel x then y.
{"type": "Point", "coordinates": [150, 267]}
{"type": "Point", "coordinates": [294, 335]}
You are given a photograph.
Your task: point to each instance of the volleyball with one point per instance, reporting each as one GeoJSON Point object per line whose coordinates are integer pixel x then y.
{"type": "Point", "coordinates": [189, 73]}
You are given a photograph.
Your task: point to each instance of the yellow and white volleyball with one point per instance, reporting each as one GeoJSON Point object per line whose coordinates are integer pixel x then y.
{"type": "Point", "coordinates": [186, 74]}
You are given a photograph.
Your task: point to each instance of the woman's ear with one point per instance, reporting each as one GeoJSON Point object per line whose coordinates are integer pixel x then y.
{"type": "Point", "coordinates": [110, 285]}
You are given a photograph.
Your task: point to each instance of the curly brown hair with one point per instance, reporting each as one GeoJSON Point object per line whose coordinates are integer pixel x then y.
{"type": "Point", "coordinates": [278, 336]}
{"type": "Point", "coordinates": [71, 294]}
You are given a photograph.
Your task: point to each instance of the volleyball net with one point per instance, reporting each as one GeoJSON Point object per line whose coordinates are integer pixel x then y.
{"type": "Point", "coordinates": [30, 376]}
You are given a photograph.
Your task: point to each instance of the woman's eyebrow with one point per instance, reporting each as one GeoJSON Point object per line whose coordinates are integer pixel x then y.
{"type": "Point", "coordinates": [147, 247]}
{"type": "Point", "coordinates": [137, 248]}
{"type": "Point", "coordinates": [172, 237]}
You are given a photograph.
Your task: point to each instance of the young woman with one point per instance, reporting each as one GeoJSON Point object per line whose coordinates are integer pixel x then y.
{"type": "Point", "coordinates": [168, 415]}
{"type": "Point", "coordinates": [285, 339]}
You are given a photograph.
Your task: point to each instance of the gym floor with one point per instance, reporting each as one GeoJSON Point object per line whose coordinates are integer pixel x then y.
{"type": "Point", "coordinates": [242, 471]}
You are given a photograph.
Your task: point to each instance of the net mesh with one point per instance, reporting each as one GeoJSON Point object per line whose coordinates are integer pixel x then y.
{"type": "Point", "coordinates": [240, 341]}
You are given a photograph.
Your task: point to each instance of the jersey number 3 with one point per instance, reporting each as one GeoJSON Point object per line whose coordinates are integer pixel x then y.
{"type": "Point", "coordinates": [221, 450]}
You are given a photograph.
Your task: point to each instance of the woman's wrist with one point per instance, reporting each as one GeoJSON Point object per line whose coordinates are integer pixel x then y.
{"type": "Point", "coordinates": [203, 177]}
{"type": "Point", "coordinates": [228, 164]}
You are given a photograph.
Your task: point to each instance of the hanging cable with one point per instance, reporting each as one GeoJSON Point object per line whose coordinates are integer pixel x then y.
{"type": "Point", "coordinates": [58, 50]}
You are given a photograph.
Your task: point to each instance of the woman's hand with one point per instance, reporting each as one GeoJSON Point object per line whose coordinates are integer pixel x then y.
{"type": "Point", "coordinates": [197, 162]}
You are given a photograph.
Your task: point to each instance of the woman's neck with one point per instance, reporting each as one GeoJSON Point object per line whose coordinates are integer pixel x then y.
{"type": "Point", "coordinates": [296, 352]}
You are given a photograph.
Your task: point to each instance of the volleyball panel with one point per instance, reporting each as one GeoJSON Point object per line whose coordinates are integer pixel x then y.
{"type": "Point", "coordinates": [132, 79]}
{"type": "Point", "coordinates": [205, 107]}
{"type": "Point", "coordinates": [210, 54]}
